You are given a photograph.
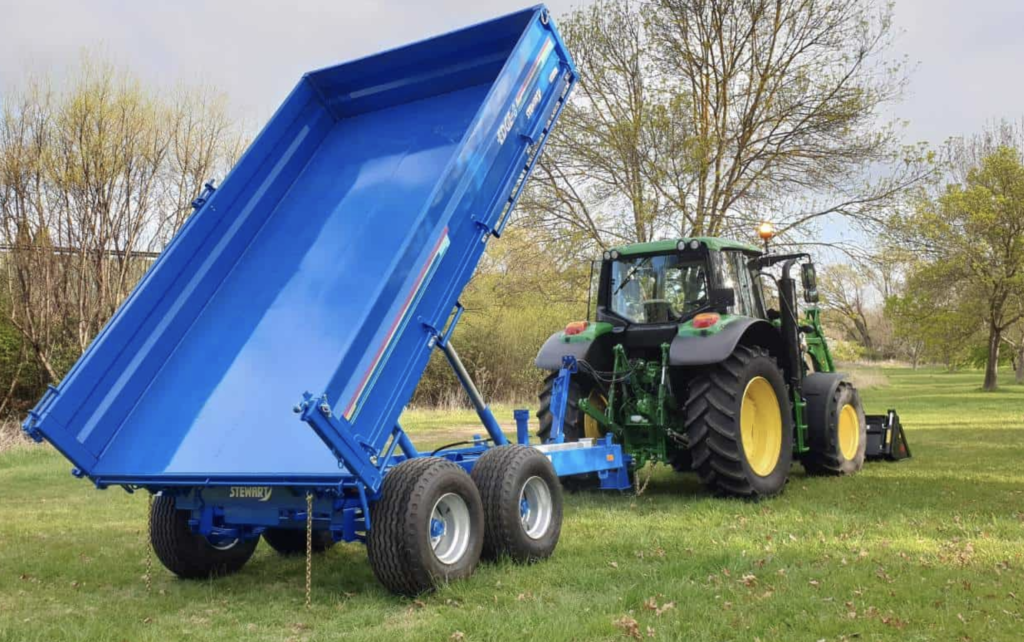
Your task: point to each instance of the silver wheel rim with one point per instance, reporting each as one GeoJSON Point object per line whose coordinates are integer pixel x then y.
{"type": "Point", "coordinates": [226, 545]}
{"type": "Point", "coordinates": [535, 507]}
{"type": "Point", "coordinates": [449, 528]}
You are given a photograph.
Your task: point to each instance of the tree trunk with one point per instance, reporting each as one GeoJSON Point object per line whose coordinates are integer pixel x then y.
{"type": "Point", "coordinates": [992, 365]}
{"type": "Point", "coordinates": [1019, 378]}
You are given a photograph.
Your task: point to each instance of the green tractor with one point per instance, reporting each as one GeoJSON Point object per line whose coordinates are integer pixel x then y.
{"type": "Point", "coordinates": [698, 356]}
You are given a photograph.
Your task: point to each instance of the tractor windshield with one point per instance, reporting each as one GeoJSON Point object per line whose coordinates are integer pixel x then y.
{"type": "Point", "coordinates": [657, 289]}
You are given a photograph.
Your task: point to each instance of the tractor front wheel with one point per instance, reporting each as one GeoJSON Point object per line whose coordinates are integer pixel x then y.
{"type": "Point", "coordinates": [837, 444]}
{"type": "Point", "coordinates": [740, 425]}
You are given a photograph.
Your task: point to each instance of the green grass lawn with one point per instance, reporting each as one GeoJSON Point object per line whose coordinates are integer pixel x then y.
{"type": "Point", "coordinates": [927, 549]}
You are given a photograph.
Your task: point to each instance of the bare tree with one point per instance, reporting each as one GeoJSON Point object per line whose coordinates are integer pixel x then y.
{"type": "Point", "coordinates": [202, 141]}
{"type": "Point", "coordinates": [596, 183]}
{"type": "Point", "coordinates": [847, 293]}
{"type": "Point", "coordinates": [703, 116]}
{"type": "Point", "coordinates": [94, 180]}
{"type": "Point", "coordinates": [30, 274]}
{"type": "Point", "coordinates": [1014, 337]}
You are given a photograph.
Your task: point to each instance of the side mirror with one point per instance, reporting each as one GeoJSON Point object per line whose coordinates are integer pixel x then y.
{"type": "Point", "coordinates": [723, 297]}
{"type": "Point", "coordinates": [809, 279]}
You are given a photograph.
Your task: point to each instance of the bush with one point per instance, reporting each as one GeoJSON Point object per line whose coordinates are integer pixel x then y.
{"type": "Point", "coordinates": [497, 343]}
{"type": "Point", "coordinates": [845, 350]}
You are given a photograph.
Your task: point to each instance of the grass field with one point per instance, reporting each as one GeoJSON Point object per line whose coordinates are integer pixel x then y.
{"type": "Point", "coordinates": [928, 549]}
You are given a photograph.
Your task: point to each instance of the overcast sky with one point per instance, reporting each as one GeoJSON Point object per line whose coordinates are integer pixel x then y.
{"type": "Point", "coordinates": [968, 55]}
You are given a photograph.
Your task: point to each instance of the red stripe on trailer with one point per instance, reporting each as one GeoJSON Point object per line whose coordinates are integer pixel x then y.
{"type": "Point", "coordinates": [544, 51]}
{"type": "Point", "coordinates": [394, 324]}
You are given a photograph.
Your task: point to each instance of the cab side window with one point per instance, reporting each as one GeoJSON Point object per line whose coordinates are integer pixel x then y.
{"type": "Point", "coordinates": [733, 273]}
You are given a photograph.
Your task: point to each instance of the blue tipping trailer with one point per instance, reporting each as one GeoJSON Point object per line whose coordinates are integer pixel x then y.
{"type": "Point", "coordinates": [317, 280]}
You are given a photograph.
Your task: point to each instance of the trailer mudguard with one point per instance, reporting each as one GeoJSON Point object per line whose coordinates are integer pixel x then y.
{"type": "Point", "coordinates": [593, 345]}
{"type": "Point", "coordinates": [699, 347]}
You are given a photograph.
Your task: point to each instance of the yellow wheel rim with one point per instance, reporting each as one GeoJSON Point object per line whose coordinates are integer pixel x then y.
{"type": "Point", "coordinates": [592, 429]}
{"type": "Point", "coordinates": [761, 426]}
{"type": "Point", "coordinates": [849, 432]}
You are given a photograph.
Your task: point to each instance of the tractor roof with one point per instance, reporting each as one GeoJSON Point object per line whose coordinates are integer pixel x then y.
{"type": "Point", "coordinates": [667, 245]}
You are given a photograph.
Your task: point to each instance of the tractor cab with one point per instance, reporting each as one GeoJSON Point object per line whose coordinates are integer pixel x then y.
{"type": "Point", "coordinates": [674, 281]}
{"type": "Point", "coordinates": [650, 293]}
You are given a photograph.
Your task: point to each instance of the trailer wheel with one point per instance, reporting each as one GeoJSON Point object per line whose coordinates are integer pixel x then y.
{"type": "Point", "coordinates": [427, 528]}
{"type": "Point", "coordinates": [837, 445]}
{"type": "Point", "coordinates": [187, 554]}
{"type": "Point", "coordinates": [292, 541]}
{"type": "Point", "coordinates": [522, 500]}
{"type": "Point", "coordinates": [740, 425]}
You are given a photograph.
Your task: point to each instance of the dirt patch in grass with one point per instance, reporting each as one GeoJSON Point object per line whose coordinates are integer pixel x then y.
{"type": "Point", "coordinates": [864, 378]}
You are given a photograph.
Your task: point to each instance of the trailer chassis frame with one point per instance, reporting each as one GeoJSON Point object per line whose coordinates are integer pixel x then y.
{"type": "Point", "coordinates": [224, 510]}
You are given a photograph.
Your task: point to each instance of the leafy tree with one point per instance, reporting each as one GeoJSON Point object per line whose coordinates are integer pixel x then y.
{"type": "Point", "coordinates": [932, 319]}
{"type": "Point", "coordinates": [971, 240]}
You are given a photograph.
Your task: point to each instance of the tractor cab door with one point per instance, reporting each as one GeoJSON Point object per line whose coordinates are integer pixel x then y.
{"type": "Point", "coordinates": [732, 271]}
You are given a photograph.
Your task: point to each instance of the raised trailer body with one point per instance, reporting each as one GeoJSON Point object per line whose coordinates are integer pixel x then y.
{"type": "Point", "coordinates": [317, 279]}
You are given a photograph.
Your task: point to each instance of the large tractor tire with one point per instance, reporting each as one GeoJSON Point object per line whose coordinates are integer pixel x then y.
{"type": "Point", "coordinates": [187, 554]}
{"type": "Point", "coordinates": [837, 444]}
{"type": "Point", "coordinates": [292, 541]}
{"type": "Point", "coordinates": [740, 425]}
{"type": "Point", "coordinates": [522, 503]}
{"type": "Point", "coordinates": [427, 528]}
{"type": "Point", "coordinates": [577, 424]}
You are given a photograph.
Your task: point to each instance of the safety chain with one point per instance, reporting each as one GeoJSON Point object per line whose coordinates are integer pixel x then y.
{"type": "Point", "coordinates": [148, 544]}
{"type": "Point", "coordinates": [309, 550]}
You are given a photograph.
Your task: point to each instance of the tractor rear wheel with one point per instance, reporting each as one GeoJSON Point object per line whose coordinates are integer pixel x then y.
{"type": "Point", "coordinates": [190, 555]}
{"type": "Point", "coordinates": [427, 528]}
{"type": "Point", "coordinates": [740, 425]}
{"type": "Point", "coordinates": [837, 444]}
{"type": "Point", "coordinates": [292, 541]}
{"type": "Point", "coordinates": [577, 424]}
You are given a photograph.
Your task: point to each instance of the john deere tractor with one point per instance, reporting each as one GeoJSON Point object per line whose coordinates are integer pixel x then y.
{"type": "Point", "coordinates": [697, 355]}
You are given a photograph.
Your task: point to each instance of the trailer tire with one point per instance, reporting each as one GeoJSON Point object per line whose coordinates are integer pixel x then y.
{"type": "Point", "coordinates": [838, 443]}
{"type": "Point", "coordinates": [522, 500]}
{"type": "Point", "coordinates": [714, 411]}
{"type": "Point", "coordinates": [408, 553]}
{"type": "Point", "coordinates": [190, 555]}
{"type": "Point", "coordinates": [292, 541]}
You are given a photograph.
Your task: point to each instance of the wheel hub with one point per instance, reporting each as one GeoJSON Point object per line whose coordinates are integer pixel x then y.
{"type": "Point", "coordinates": [849, 432]}
{"type": "Point", "coordinates": [535, 507]}
{"type": "Point", "coordinates": [761, 426]}
{"type": "Point", "coordinates": [449, 528]}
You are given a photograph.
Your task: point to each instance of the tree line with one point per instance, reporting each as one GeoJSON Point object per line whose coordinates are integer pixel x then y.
{"type": "Point", "coordinates": [692, 117]}
{"type": "Point", "coordinates": [95, 178]}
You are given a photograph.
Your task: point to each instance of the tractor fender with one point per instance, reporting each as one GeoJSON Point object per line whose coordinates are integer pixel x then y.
{"type": "Point", "coordinates": [819, 388]}
{"type": "Point", "coordinates": [558, 345]}
{"type": "Point", "coordinates": [697, 348]}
